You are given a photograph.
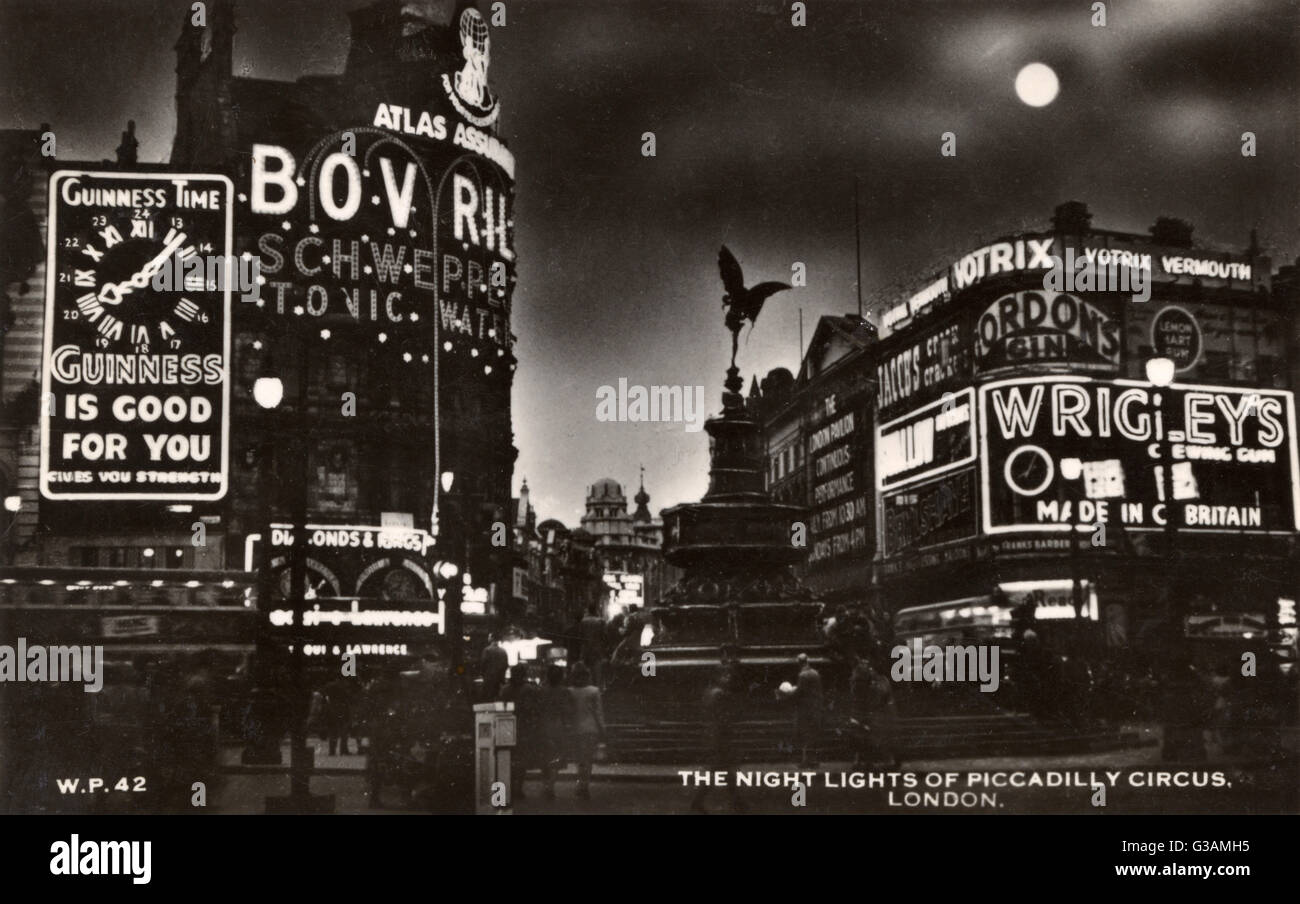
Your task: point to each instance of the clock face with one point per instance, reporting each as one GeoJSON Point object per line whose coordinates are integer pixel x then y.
{"type": "Point", "coordinates": [1028, 470]}
{"type": "Point", "coordinates": [141, 279]}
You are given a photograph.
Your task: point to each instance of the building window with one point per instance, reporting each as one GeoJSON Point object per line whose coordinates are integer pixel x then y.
{"type": "Point", "coordinates": [335, 482]}
{"type": "Point", "coordinates": [131, 556]}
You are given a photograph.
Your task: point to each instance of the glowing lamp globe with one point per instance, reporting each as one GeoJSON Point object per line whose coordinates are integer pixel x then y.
{"type": "Point", "coordinates": [268, 391]}
{"type": "Point", "coordinates": [1160, 371]}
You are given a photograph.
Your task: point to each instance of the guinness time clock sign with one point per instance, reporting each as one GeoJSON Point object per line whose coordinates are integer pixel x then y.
{"type": "Point", "coordinates": [135, 392]}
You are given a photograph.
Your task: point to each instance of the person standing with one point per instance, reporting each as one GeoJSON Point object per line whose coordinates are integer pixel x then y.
{"type": "Point", "coordinates": [556, 719]}
{"type": "Point", "coordinates": [527, 698]}
{"type": "Point", "coordinates": [809, 712]}
{"type": "Point", "coordinates": [874, 713]}
{"type": "Point", "coordinates": [720, 707]}
{"type": "Point", "coordinates": [381, 734]}
{"type": "Point", "coordinates": [493, 665]}
{"type": "Point", "coordinates": [336, 716]}
{"type": "Point", "coordinates": [591, 640]}
{"type": "Point", "coordinates": [588, 724]}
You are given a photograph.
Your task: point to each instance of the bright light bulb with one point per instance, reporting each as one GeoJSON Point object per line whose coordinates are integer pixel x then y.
{"type": "Point", "coordinates": [1160, 371]}
{"type": "Point", "coordinates": [268, 391]}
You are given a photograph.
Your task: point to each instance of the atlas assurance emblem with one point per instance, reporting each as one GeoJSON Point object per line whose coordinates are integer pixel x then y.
{"type": "Point", "coordinates": [467, 88]}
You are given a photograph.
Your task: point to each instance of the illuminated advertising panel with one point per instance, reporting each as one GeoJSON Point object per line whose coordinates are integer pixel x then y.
{"type": "Point", "coordinates": [1211, 341]}
{"type": "Point", "coordinates": [841, 511]}
{"type": "Point", "coordinates": [1039, 253]}
{"type": "Point", "coordinates": [931, 440]}
{"type": "Point", "coordinates": [623, 592]}
{"type": "Point", "coordinates": [136, 382]}
{"type": "Point", "coordinates": [1049, 445]}
{"type": "Point", "coordinates": [389, 231]}
{"type": "Point", "coordinates": [1049, 328]}
{"type": "Point", "coordinates": [367, 589]}
{"type": "Point", "coordinates": [929, 513]}
{"type": "Point", "coordinates": [922, 368]}
{"type": "Point", "coordinates": [369, 562]}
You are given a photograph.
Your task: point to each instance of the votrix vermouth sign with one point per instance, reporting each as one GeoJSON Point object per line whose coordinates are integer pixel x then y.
{"type": "Point", "coordinates": [135, 390]}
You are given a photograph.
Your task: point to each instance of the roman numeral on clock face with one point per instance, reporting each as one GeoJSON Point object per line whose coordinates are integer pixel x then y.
{"type": "Point", "coordinates": [139, 334]}
{"type": "Point", "coordinates": [142, 229]}
{"type": "Point", "coordinates": [90, 307]}
{"type": "Point", "coordinates": [85, 278]}
{"type": "Point", "coordinates": [166, 330]}
{"type": "Point", "coordinates": [111, 236]}
{"type": "Point", "coordinates": [186, 309]}
{"type": "Point", "coordinates": [111, 327]}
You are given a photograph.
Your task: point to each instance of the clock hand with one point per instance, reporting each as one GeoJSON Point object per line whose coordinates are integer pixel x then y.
{"type": "Point", "coordinates": [141, 279]}
{"type": "Point", "coordinates": [112, 293]}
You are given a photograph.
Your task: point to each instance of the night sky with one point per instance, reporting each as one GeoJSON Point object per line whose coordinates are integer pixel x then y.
{"type": "Point", "coordinates": [761, 128]}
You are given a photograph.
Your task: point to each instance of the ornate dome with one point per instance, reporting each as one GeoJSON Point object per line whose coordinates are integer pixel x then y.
{"type": "Point", "coordinates": [607, 488]}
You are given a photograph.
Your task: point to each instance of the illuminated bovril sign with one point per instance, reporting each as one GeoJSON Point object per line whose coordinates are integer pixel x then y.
{"type": "Point", "coordinates": [403, 223]}
{"type": "Point", "coordinates": [135, 380]}
{"type": "Point", "coordinates": [363, 244]}
{"type": "Point", "coordinates": [1040, 253]}
{"type": "Point", "coordinates": [1057, 450]}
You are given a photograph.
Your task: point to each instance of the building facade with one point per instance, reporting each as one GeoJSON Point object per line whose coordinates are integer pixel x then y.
{"type": "Point", "coordinates": [628, 547]}
{"type": "Point", "coordinates": [377, 206]}
{"type": "Point", "coordinates": [1012, 445]}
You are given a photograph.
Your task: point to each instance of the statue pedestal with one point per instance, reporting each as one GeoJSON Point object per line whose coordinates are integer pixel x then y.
{"type": "Point", "coordinates": [737, 603]}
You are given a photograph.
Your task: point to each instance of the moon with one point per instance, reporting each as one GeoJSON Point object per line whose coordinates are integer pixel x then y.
{"type": "Point", "coordinates": [1037, 85]}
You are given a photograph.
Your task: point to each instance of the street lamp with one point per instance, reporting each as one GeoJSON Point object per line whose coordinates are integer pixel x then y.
{"type": "Point", "coordinates": [268, 392]}
{"type": "Point", "coordinates": [13, 505]}
{"type": "Point", "coordinates": [1072, 470]}
{"type": "Point", "coordinates": [452, 541]}
{"type": "Point", "coordinates": [1160, 374]}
